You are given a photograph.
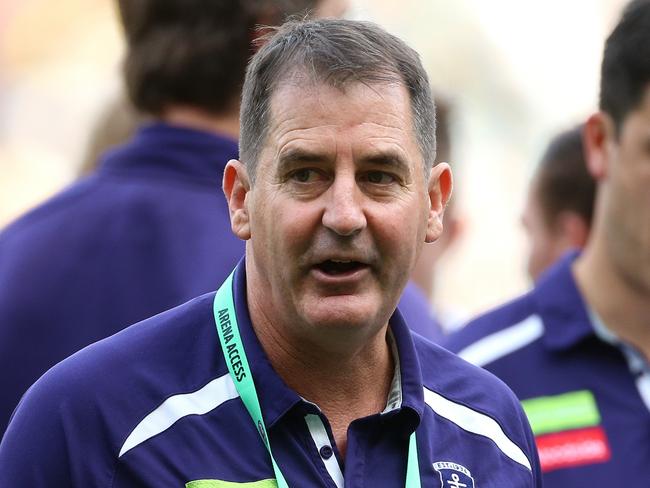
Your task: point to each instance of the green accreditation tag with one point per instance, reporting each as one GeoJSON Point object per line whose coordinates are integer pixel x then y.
{"type": "Point", "coordinates": [232, 346]}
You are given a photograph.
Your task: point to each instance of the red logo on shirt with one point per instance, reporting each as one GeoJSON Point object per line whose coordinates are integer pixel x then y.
{"type": "Point", "coordinates": [573, 448]}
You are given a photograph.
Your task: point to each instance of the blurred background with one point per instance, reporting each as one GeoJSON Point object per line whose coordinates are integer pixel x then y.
{"type": "Point", "coordinates": [516, 71]}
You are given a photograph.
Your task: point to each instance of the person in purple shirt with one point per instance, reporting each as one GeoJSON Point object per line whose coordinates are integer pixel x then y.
{"type": "Point", "coordinates": [560, 202]}
{"type": "Point", "coordinates": [575, 349]}
{"type": "Point", "coordinates": [299, 371]}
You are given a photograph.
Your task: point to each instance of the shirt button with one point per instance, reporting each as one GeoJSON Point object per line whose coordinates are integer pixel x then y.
{"type": "Point", "coordinates": [326, 452]}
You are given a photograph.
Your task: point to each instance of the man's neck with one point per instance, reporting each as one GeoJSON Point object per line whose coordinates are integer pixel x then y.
{"type": "Point", "coordinates": [345, 384]}
{"type": "Point", "coordinates": [624, 309]}
{"type": "Point", "coordinates": [184, 116]}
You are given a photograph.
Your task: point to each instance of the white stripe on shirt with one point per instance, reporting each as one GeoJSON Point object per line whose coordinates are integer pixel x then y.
{"type": "Point", "coordinates": [504, 342]}
{"type": "Point", "coordinates": [176, 407]}
{"type": "Point", "coordinates": [476, 423]}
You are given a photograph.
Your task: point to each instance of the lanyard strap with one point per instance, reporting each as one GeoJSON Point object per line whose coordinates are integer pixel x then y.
{"type": "Point", "coordinates": [225, 318]}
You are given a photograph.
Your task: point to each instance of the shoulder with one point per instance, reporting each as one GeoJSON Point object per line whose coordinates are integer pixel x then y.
{"type": "Point", "coordinates": [86, 406]}
{"type": "Point", "coordinates": [454, 378]}
{"type": "Point", "coordinates": [477, 402]}
{"type": "Point", "coordinates": [172, 345]}
{"type": "Point", "coordinates": [48, 215]}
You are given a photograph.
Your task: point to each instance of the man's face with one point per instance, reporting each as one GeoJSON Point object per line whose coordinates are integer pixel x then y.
{"type": "Point", "coordinates": [545, 246]}
{"type": "Point", "coordinates": [340, 206]}
{"type": "Point", "coordinates": [627, 197]}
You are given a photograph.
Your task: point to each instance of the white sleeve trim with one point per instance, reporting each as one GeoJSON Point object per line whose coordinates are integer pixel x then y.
{"type": "Point", "coordinates": [506, 341]}
{"type": "Point", "coordinates": [476, 423]}
{"type": "Point", "coordinates": [176, 407]}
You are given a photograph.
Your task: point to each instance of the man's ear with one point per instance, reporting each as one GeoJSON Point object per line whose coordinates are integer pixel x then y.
{"type": "Point", "coordinates": [599, 131]}
{"type": "Point", "coordinates": [236, 187]}
{"type": "Point", "coordinates": [439, 188]}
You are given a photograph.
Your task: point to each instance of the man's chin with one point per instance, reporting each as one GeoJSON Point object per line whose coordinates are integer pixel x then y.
{"type": "Point", "coordinates": [344, 311]}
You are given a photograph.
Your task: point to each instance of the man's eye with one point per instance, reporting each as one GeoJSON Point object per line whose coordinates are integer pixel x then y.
{"type": "Point", "coordinates": [303, 175]}
{"type": "Point", "coordinates": [379, 178]}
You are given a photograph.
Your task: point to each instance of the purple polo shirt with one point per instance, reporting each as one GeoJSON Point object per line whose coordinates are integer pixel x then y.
{"type": "Point", "coordinates": [146, 232]}
{"type": "Point", "coordinates": [587, 396]}
{"type": "Point", "coordinates": [154, 405]}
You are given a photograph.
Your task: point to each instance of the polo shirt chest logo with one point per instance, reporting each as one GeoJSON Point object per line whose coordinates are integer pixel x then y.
{"type": "Point", "coordinates": [568, 430]}
{"type": "Point", "coordinates": [453, 475]}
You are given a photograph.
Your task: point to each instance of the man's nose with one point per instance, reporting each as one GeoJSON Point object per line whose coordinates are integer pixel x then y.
{"type": "Point", "coordinates": [344, 213]}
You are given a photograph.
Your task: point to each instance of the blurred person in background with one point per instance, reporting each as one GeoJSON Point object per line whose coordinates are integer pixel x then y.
{"type": "Point", "coordinates": [560, 202]}
{"type": "Point", "coordinates": [150, 228]}
{"type": "Point", "coordinates": [423, 276]}
{"type": "Point", "coordinates": [575, 349]}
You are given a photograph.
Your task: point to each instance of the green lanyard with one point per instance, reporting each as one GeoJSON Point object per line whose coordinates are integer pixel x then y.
{"type": "Point", "coordinates": [232, 346]}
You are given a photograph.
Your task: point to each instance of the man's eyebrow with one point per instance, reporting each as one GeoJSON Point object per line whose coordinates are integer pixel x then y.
{"type": "Point", "coordinates": [386, 158]}
{"type": "Point", "coordinates": [300, 155]}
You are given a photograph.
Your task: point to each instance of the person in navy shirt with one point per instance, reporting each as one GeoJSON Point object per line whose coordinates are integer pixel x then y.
{"type": "Point", "coordinates": [575, 349]}
{"type": "Point", "coordinates": [299, 371]}
{"type": "Point", "coordinates": [149, 229]}
{"type": "Point", "coordinates": [560, 203]}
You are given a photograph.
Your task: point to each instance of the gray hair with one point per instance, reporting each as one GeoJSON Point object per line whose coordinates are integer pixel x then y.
{"type": "Point", "coordinates": [336, 52]}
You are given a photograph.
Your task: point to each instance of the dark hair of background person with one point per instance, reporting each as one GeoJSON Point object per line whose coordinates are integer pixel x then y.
{"type": "Point", "coordinates": [193, 52]}
{"type": "Point", "coordinates": [336, 52]}
{"type": "Point", "coordinates": [563, 181]}
{"type": "Point", "coordinates": [625, 71]}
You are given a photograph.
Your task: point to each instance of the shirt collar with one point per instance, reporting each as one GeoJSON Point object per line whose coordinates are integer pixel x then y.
{"type": "Point", "coordinates": [171, 150]}
{"type": "Point", "coordinates": [635, 358]}
{"type": "Point", "coordinates": [562, 308]}
{"type": "Point", "coordinates": [394, 400]}
{"type": "Point", "coordinates": [569, 320]}
{"type": "Point", "coordinates": [406, 400]}
{"type": "Point", "coordinates": [411, 409]}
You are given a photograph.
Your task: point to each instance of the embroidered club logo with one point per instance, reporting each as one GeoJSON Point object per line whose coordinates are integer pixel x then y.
{"type": "Point", "coordinates": [453, 475]}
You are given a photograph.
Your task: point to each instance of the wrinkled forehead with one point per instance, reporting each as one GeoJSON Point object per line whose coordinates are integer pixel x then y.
{"type": "Point", "coordinates": [302, 95]}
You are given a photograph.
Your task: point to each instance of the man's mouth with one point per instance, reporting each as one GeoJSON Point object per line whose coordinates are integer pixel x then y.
{"type": "Point", "coordinates": [335, 267]}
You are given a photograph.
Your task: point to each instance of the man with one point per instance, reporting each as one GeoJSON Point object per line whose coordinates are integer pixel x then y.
{"type": "Point", "coordinates": [291, 374]}
{"type": "Point", "coordinates": [575, 349]}
{"type": "Point", "coordinates": [560, 203]}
